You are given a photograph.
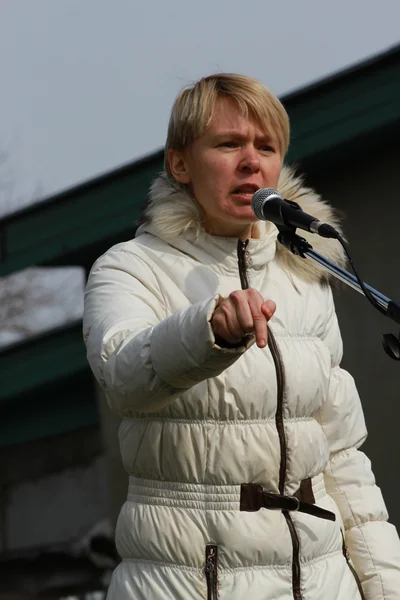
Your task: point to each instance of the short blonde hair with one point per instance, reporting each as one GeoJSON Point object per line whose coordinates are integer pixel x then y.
{"type": "Point", "coordinates": [194, 106]}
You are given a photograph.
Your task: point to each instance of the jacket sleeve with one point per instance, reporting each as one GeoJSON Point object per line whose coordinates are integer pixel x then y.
{"type": "Point", "coordinates": [372, 542]}
{"type": "Point", "coordinates": [142, 356]}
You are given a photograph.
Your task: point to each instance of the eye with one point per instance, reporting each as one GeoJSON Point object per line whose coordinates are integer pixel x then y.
{"type": "Point", "coordinates": [228, 144]}
{"type": "Point", "coordinates": [267, 148]}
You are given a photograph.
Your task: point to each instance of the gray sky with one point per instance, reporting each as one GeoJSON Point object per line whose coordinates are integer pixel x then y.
{"type": "Point", "coordinates": [87, 85]}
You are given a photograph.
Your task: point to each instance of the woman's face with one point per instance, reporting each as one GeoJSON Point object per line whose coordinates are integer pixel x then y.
{"type": "Point", "coordinates": [225, 166]}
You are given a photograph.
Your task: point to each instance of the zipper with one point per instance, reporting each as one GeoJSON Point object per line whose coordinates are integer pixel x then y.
{"type": "Point", "coordinates": [352, 569]}
{"type": "Point", "coordinates": [211, 571]}
{"type": "Point", "coordinates": [280, 378]}
{"type": "Point", "coordinates": [296, 587]}
{"type": "Point", "coordinates": [242, 256]}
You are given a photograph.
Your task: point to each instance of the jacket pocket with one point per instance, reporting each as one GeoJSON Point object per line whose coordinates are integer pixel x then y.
{"type": "Point", "coordinates": [352, 569]}
{"type": "Point", "coordinates": [211, 571]}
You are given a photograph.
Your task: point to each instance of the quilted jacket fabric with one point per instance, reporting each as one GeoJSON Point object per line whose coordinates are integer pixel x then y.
{"type": "Point", "coordinates": [199, 420]}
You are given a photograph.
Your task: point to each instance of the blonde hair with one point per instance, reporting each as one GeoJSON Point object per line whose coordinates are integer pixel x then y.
{"type": "Point", "coordinates": [194, 106]}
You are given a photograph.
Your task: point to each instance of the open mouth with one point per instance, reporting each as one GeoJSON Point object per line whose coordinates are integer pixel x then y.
{"type": "Point", "coordinates": [247, 190]}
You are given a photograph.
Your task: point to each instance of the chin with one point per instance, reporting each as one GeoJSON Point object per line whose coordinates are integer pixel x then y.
{"type": "Point", "coordinates": [246, 218]}
{"type": "Point", "coordinates": [243, 213]}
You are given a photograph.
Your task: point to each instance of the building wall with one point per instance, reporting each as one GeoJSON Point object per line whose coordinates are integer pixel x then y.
{"type": "Point", "coordinates": [53, 499]}
{"type": "Point", "coordinates": [367, 191]}
{"type": "Point", "coordinates": [54, 490]}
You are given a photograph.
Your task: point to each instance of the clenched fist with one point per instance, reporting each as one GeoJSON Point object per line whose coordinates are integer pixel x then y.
{"type": "Point", "coordinates": [243, 312]}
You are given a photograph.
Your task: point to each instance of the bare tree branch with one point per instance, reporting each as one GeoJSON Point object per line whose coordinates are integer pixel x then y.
{"type": "Point", "coordinates": [37, 299]}
{"type": "Point", "coordinates": [10, 199]}
{"type": "Point", "coordinates": [15, 290]}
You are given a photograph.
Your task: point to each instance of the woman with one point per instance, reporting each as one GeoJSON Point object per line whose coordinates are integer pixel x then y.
{"type": "Point", "coordinates": [241, 439]}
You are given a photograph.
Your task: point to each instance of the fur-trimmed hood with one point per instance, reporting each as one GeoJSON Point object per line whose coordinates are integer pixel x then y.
{"type": "Point", "coordinates": [173, 214]}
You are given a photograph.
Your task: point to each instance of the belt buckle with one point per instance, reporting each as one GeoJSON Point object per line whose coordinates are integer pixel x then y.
{"type": "Point", "coordinates": [297, 503]}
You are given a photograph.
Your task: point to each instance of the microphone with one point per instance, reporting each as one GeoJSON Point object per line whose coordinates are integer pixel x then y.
{"type": "Point", "coordinates": [268, 205]}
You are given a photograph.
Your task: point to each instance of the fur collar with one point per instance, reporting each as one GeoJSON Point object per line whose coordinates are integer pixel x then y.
{"type": "Point", "coordinates": [174, 214]}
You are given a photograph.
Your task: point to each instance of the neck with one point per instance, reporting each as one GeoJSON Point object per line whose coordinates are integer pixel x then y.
{"type": "Point", "coordinates": [242, 233]}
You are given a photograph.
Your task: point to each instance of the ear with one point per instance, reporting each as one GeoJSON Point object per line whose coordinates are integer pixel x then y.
{"type": "Point", "coordinates": [178, 165]}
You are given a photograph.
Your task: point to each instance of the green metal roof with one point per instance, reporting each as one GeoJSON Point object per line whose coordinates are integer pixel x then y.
{"type": "Point", "coordinates": [73, 227]}
{"type": "Point", "coordinates": [23, 367]}
{"type": "Point", "coordinates": [46, 387]}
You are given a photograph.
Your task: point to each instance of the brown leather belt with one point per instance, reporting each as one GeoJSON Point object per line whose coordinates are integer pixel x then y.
{"type": "Point", "coordinates": [253, 498]}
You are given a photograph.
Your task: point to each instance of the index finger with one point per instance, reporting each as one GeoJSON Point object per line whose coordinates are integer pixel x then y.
{"type": "Point", "coordinates": [260, 322]}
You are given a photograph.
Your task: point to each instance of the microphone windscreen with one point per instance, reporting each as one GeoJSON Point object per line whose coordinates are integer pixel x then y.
{"type": "Point", "coordinates": [259, 198]}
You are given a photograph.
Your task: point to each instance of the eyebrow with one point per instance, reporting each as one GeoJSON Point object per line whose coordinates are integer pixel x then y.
{"type": "Point", "coordinates": [237, 134]}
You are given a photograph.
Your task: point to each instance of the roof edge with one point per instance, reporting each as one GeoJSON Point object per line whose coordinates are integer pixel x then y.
{"type": "Point", "coordinates": [375, 60]}
{"type": "Point", "coordinates": [108, 175]}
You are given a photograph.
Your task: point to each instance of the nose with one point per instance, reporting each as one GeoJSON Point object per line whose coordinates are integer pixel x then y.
{"type": "Point", "coordinates": [250, 161]}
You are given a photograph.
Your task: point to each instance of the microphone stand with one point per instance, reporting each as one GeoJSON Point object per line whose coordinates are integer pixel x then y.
{"type": "Point", "coordinates": [300, 247]}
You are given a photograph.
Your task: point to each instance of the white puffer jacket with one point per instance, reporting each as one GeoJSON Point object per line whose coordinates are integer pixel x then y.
{"type": "Point", "coordinates": [199, 420]}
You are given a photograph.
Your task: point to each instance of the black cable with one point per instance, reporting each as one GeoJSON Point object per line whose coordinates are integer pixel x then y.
{"type": "Point", "coordinates": [367, 293]}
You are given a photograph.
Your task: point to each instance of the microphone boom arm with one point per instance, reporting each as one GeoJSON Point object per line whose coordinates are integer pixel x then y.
{"type": "Point", "coordinates": [347, 278]}
{"type": "Point", "coordinates": [299, 246]}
